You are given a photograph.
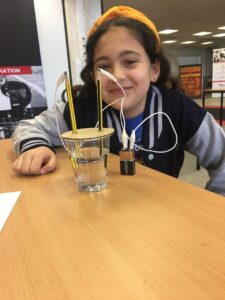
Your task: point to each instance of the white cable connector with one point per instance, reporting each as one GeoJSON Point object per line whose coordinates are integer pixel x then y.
{"type": "Point", "coordinates": [108, 75]}
{"type": "Point", "coordinates": [124, 139]}
{"type": "Point", "coordinates": [132, 139]}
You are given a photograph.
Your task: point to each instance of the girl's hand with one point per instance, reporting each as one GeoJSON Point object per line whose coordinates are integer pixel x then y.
{"type": "Point", "coordinates": [37, 161]}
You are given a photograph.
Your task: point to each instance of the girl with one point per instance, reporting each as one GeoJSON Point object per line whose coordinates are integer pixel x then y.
{"type": "Point", "coordinates": [125, 43]}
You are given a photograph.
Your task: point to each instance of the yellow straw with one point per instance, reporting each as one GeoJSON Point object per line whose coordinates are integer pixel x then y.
{"type": "Point", "coordinates": [99, 104]}
{"type": "Point", "coordinates": [71, 106]}
{"type": "Point", "coordinates": [72, 116]}
{"type": "Point", "coordinates": [99, 107]}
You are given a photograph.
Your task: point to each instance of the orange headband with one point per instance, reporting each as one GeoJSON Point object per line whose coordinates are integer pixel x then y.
{"type": "Point", "coordinates": [127, 12]}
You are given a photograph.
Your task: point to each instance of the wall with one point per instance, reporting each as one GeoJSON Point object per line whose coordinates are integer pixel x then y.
{"type": "Point", "coordinates": [80, 15]}
{"type": "Point", "coordinates": [194, 55]}
{"type": "Point", "coordinates": [52, 37]}
{"type": "Point", "coordinates": [51, 34]}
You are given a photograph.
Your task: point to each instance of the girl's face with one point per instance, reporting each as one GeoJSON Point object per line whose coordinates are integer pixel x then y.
{"type": "Point", "coordinates": [119, 52]}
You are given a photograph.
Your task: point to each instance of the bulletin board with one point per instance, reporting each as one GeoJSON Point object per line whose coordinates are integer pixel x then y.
{"type": "Point", "coordinates": [190, 77]}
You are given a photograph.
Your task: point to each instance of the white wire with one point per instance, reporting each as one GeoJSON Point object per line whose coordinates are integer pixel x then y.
{"type": "Point", "coordinates": [110, 104]}
{"type": "Point", "coordinates": [123, 124]}
{"type": "Point", "coordinates": [111, 77]}
{"type": "Point", "coordinates": [175, 133]}
{"type": "Point", "coordinates": [122, 118]}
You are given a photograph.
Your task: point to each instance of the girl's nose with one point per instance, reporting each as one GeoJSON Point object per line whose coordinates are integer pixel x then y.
{"type": "Point", "coordinates": [119, 73]}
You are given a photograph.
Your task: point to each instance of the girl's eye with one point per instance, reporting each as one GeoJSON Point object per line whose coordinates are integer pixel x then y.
{"type": "Point", "coordinates": [130, 62]}
{"type": "Point", "coordinates": [104, 67]}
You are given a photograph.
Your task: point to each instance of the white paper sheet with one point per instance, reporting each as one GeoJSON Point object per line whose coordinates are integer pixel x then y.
{"type": "Point", "coordinates": [7, 201]}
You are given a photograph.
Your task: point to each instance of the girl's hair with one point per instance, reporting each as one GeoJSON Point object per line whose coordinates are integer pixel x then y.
{"type": "Point", "coordinates": [146, 38]}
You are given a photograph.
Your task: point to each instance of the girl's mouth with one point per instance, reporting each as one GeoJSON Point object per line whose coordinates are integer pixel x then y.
{"type": "Point", "coordinates": [119, 91]}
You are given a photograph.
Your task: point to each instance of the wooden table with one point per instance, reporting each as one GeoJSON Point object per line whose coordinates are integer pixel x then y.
{"type": "Point", "coordinates": [147, 236]}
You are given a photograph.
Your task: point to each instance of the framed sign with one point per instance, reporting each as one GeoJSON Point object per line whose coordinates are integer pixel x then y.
{"type": "Point", "coordinates": [22, 96]}
{"type": "Point", "coordinates": [22, 88]}
{"type": "Point", "coordinates": [190, 77]}
{"type": "Point", "coordinates": [218, 80]}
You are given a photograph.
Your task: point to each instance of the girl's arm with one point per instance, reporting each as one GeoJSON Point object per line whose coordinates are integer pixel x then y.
{"type": "Point", "coordinates": [34, 140]}
{"type": "Point", "coordinates": [40, 131]}
{"type": "Point", "coordinates": [208, 144]}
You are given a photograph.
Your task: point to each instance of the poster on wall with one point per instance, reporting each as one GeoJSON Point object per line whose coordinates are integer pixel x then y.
{"type": "Point", "coordinates": [22, 91]}
{"type": "Point", "coordinates": [22, 96]}
{"type": "Point", "coordinates": [190, 77]}
{"type": "Point", "coordinates": [218, 77]}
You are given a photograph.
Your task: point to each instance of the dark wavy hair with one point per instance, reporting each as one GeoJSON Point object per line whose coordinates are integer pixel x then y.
{"type": "Point", "coordinates": [146, 38]}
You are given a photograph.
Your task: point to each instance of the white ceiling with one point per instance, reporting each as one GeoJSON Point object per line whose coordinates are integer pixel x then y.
{"type": "Point", "coordinates": [189, 16]}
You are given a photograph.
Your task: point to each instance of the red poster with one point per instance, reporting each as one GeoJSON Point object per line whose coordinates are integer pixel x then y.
{"type": "Point", "coordinates": [191, 80]}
